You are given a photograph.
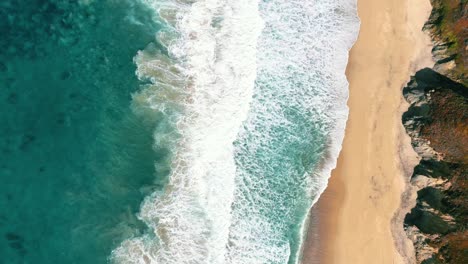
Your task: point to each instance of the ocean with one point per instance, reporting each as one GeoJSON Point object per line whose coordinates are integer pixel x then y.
{"type": "Point", "coordinates": [175, 131]}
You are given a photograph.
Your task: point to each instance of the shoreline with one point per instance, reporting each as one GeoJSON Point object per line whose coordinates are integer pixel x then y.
{"type": "Point", "coordinates": [359, 217]}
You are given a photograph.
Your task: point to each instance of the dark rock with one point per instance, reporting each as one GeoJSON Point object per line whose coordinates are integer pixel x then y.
{"type": "Point", "coordinates": [3, 67]}
{"type": "Point", "coordinates": [431, 261]}
{"type": "Point", "coordinates": [10, 236]}
{"type": "Point", "coordinates": [432, 196]}
{"type": "Point", "coordinates": [12, 98]}
{"type": "Point", "coordinates": [437, 121]}
{"type": "Point", "coordinates": [26, 141]}
{"type": "Point", "coordinates": [65, 75]}
{"type": "Point", "coordinates": [427, 222]}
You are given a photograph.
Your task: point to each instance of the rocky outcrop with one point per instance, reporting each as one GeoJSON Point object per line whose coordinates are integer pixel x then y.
{"type": "Point", "coordinates": [448, 27]}
{"type": "Point", "coordinates": [437, 121]}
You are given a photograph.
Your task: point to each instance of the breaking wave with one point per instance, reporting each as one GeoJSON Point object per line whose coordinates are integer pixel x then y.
{"type": "Point", "coordinates": [256, 95]}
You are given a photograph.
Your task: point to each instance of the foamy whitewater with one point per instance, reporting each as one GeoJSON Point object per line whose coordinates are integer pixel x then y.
{"type": "Point", "coordinates": [256, 95]}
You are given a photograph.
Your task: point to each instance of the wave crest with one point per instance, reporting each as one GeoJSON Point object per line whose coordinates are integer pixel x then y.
{"type": "Point", "coordinates": [209, 72]}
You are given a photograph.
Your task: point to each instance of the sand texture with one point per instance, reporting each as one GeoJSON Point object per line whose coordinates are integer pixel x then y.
{"type": "Point", "coordinates": [359, 218]}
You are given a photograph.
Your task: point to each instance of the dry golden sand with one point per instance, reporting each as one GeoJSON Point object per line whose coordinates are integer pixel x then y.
{"type": "Point", "coordinates": [357, 220]}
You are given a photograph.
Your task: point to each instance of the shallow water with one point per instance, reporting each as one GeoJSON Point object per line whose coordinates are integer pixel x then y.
{"type": "Point", "coordinates": [262, 97]}
{"type": "Point", "coordinates": [172, 131]}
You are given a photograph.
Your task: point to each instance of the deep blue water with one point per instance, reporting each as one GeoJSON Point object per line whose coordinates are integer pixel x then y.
{"type": "Point", "coordinates": [75, 161]}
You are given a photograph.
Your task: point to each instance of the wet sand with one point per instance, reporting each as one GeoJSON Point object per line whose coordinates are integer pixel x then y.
{"type": "Point", "coordinates": [358, 219]}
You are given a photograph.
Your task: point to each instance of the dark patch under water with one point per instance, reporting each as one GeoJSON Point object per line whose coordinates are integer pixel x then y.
{"type": "Point", "coordinates": [75, 161]}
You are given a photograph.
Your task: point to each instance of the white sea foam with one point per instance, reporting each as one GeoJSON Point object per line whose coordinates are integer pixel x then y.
{"type": "Point", "coordinates": [302, 56]}
{"type": "Point", "coordinates": [210, 71]}
{"type": "Point", "coordinates": [245, 202]}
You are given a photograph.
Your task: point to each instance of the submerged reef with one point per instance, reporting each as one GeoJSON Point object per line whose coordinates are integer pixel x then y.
{"type": "Point", "coordinates": [437, 122]}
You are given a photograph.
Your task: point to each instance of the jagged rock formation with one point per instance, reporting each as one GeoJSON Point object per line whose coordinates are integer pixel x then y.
{"type": "Point", "coordinates": [448, 28]}
{"type": "Point", "coordinates": [437, 121]}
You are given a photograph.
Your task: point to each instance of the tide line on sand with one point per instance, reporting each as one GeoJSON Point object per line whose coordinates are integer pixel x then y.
{"type": "Point", "coordinates": [358, 219]}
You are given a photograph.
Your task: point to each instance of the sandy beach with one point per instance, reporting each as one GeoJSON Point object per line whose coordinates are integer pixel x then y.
{"type": "Point", "coordinates": [358, 220]}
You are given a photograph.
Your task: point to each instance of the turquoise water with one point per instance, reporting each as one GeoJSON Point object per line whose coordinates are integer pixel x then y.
{"type": "Point", "coordinates": [76, 161]}
{"type": "Point", "coordinates": [261, 92]}
{"type": "Point", "coordinates": [168, 131]}
{"type": "Point", "coordinates": [291, 138]}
